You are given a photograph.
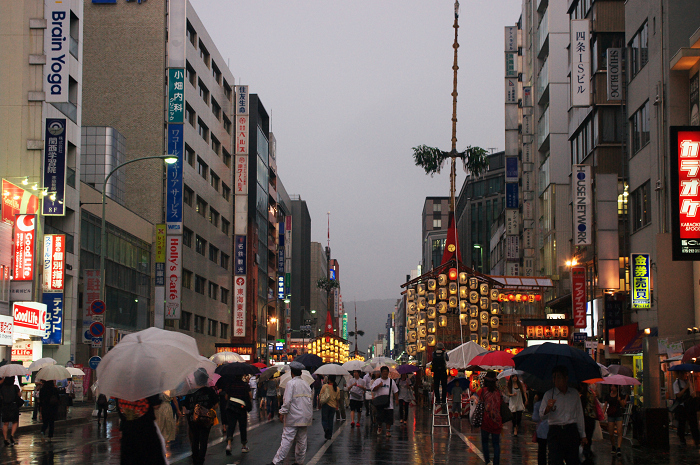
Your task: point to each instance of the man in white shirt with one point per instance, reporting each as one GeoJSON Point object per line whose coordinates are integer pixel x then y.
{"type": "Point", "coordinates": [685, 412]}
{"type": "Point", "coordinates": [561, 407]}
{"type": "Point", "coordinates": [296, 413]}
{"type": "Point", "coordinates": [385, 387]}
{"type": "Point", "coordinates": [357, 388]}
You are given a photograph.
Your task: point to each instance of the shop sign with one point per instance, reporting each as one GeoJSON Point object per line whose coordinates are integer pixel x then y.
{"type": "Point", "coordinates": [173, 195]}
{"type": "Point", "coordinates": [54, 167]}
{"type": "Point", "coordinates": [54, 262]}
{"type": "Point", "coordinates": [57, 15]}
{"type": "Point", "coordinates": [685, 192]}
{"type": "Point", "coordinates": [240, 256]}
{"type": "Point", "coordinates": [578, 295]}
{"type": "Point", "coordinates": [614, 74]}
{"type": "Point", "coordinates": [22, 351]}
{"type": "Point", "coordinates": [641, 277]}
{"type": "Point", "coordinates": [239, 309]}
{"type": "Point", "coordinates": [17, 201]}
{"type": "Point", "coordinates": [173, 278]}
{"type": "Point", "coordinates": [580, 62]}
{"type": "Point", "coordinates": [583, 211]}
{"type": "Point", "coordinates": [29, 318]}
{"type": "Point", "coordinates": [25, 229]}
{"type": "Point", "coordinates": [92, 288]}
{"type": "Point", "coordinates": [54, 318]}
{"type": "Point", "coordinates": [6, 328]}
{"type": "Point", "coordinates": [176, 95]}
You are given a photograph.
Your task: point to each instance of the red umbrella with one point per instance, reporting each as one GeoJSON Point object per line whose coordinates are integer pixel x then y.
{"type": "Point", "coordinates": [259, 365]}
{"type": "Point", "coordinates": [691, 354]}
{"type": "Point", "coordinates": [496, 360]}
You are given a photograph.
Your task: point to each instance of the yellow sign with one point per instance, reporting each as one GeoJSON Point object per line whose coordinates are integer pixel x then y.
{"type": "Point", "coordinates": [160, 243]}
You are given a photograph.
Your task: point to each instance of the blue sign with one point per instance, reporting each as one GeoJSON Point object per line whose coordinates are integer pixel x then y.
{"type": "Point", "coordinates": [160, 274]}
{"type": "Point", "coordinates": [93, 362]}
{"type": "Point", "coordinates": [173, 196]}
{"type": "Point", "coordinates": [104, 1]}
{"type": "Point", "coordinates": [239, 258]}
{"type": "Point", "coordinates": [332, 270]}
{"type": "Point", "coordinates": [512, 195]}
{"type": "Point", "coordinates": [54, 167]}
{"type": "Point", "coordinates": [97, 329]}
{"type": "Point", "coordinates": [54, 318]}
{"type": "Point", "coordinates": [98, 307]}
{"type": "Point", "coordinates": [580, 337]}
{"type": "Point", "coordinates": [511, 169]}
{"type": "Point", "coordinates": [280, 287]}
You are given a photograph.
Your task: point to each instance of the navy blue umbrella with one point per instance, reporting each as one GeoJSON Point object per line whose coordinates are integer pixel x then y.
{"type": "Point", "coordinates": [540, 360]}
{"type": "Point", "coordinates": [310, 361]}
{"type": "Point", "coordinates": [685, 367]}
{"type": "Point", "coordinates": [462, 382]}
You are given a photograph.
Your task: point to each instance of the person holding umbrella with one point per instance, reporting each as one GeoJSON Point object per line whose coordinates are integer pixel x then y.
{"type": "Point", "coordinates": [201, 416]}
{"type": "Point", "coordinates": [385, 397]}
{"type": "Point", "coordinates": [329, 398]}
{"type": "Point", "coordinates": [492, 423]}
{"type": "Point", "coordinates": [405, 396]}
{"type": "Point", "coordinates": [685, 411]}
{"type": "Point", "coordinates": [562, 409]}
{"type": "Point", "coordinates": [141, 441]}
{"type": "Point", "coordinates": [238, 399]}
{"type": "Point", "coordinates": [271, 395]}
{"type": "Point", "coordinates": [296, 414]}
{"type": "Point", "coordinates": [48, 400]}
{"type": "Point", "coordinates": [517, 402]}
{"type": "Point", "coordinates": [615, 406]}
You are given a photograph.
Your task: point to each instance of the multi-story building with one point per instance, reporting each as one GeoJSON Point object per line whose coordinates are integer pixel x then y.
{"type": "Point", "coordinates": [301, 262]}
{"type": "Point", "coordinates": [40, 121]}
{"type": "Point", "coordinates": [319, 302]}
{"type": "Point", "coordinates": [480, 202]}
{"type": "Point", "coordinates": [145, 36]}
{"type": "Point", "coordinates": [434, 224]}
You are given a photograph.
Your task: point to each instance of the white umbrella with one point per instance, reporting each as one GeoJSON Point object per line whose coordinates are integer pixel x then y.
{"type": "Point", "coordinates": [190, 384]}
{"type": "Point", "coordinates": [381, 361]}
{"type": "Point", "coordinates": [53, 372]}
{"type": "Point", "coordinates": [305, 375]}
{"type": "Point", "coordinates": [509, 372]}
{"type": "Point", "coordinates": [75, 371]}
{"type": "Point", "coordinates": [147, 363]}
{"type": "Point", "coordinates": [603, 370]}
{"type": "Point", "coordinates": [353, 365]}
{"type": "Point", "coordinates": [332, 369]}
{"type": "Point", "coordinates": [13, 369]}
{"type": "Point", "coordinates": [226, 357]}
{"type": "Point", "coordinates": [41, 363]}
{"type": "Point", "coordinates": [462, 355]}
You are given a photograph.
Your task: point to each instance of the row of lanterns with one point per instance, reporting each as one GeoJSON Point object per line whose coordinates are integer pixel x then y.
{"type": "Point", "coordinates": [429, 303]}
{"type": "Point", "coordinates": [330, 348]}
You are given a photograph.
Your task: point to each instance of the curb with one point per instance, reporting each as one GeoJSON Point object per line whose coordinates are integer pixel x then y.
{"type": "Point", "coordinates": [58, 423]}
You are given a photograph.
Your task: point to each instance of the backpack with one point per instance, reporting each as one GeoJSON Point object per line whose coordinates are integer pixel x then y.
{"type": "Point", "coordinates": [102, 400]}
{"type": "Point", "coordinates": [439, 360]}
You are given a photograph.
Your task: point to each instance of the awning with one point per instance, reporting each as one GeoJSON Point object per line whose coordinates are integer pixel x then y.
{"type": "Point", "coordinates": [635, 346]}
{"type": "Point", "coordinates": [560, 303]}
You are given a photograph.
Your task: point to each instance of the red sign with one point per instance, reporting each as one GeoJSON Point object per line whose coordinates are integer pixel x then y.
{"type": "Point", "coordinates": [25, 227]}
{"type": "Point", "coordinates": [578, 295]}
{"type": "Point", "coordinates": [239, 306]}
{"type": "Point", "coordinates": [689, 183]}
{"type": "Point", "coordinates": [54, 261]}
{"type": "Point", "coordinates": [16, 201]}
{"type": "Point", "coordinates": [30, 318]}
{"type": "Point", "coordinates": [92, 288]}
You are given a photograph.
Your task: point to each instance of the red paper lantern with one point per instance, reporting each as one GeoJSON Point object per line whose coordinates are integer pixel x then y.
{"type": "Point", "coordinates": [511, 297]}
{"type": "Point", "coordinates": [453, 372]}
{"type": "Point", "coordinates": [524, 298]}
{"type": "Point", "coordinates": [538, 298]}
{"type": "Point", "coordinates": [453, 274]}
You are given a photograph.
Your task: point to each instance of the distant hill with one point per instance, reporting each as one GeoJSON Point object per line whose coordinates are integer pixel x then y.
{"type": "Point", "coordinates": [371, 318]}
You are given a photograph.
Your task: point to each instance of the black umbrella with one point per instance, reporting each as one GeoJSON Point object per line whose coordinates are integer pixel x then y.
{"type": "Point", "coordinates": [462, 382]}
{"type": "Point", "coordinates": [310, 361]}
{"type": "Point", "coordinates": [540, 360]}
{"type": "Point", "coordinates": [236, 369]}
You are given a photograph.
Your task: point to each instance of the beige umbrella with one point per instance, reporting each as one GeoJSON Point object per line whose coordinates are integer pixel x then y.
{"type": "Point", "coordinates": [226, 357]}
{"type": "Point", "coordinates": [305, 375]}
{"type": "Point", "coordinates": [13, 369]}
{"type": "Point", "coordinates": [53, 372]}
{"type": "Point", "coordinates": [41, 363]}
{"type": "Point", "coordinates": [75, 371]}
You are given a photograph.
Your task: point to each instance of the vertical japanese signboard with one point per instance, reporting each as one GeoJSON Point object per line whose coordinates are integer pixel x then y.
{"type": "Point", "coordinates": [240, 256]}
{"type": "Point", "coordinates": [685, 192]}
{"type": "Point", "coordinates": [54, 318]}
{"type": "Point", "coordinates": [159, 291]}
{"type": "Point", "coordinates": [25, 231]}
{"type": "Point", "coordinates": [582, 204]}
{"type": "Point", "coordinates": [6, 329]}
{"type": "Point", "coordinates": [512, 174]}
{"type": "Point", "coordinates": [54, 167]}
{"type": "Point", "coordinates": [580, 62]}
{"type": "Point", "coordinates": [92, 288]}
{"type": "Point", "coordinates": [239, 306]}
{"type": "Point", "coordinates": [173, 196]}
{"type": "Point", "coordinates": [173, 278]}
{"type": "Point", "coordinates": [176, 95]}
{"type": "Point", "coordinates": [241, 161]}
{"type": "Point", "coordinates": [641, 278]}
{"type": "Point", "coordinates": [17, 201]}
{"type": "Point", "coordinates": [56, 43]}
{"type": "Point", "coordinates": [578, 296]}
{"type": "Point", "coordinates": [54, 262]}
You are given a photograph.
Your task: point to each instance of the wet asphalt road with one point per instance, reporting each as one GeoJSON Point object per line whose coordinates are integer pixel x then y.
{"type": "Point", "coordinates": [411, 444]}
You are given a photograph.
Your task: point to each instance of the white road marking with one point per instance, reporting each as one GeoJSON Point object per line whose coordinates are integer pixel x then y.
{"type": "Point", "coordinates": [469, 444]}
{"type": "Point", "coordinates": [325, 446]}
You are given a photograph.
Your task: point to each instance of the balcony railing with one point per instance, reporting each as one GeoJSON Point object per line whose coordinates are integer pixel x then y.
{"type": "Point", "coordinates": [543, 34]}
{"type": "Point", "coordinates": [543, 82]}
{"type": "Point", "coordinates": [543, 129]}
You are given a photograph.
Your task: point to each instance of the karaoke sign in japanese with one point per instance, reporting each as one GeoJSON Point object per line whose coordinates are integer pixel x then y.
{"type": "Point", "coordinates": [685, 192]}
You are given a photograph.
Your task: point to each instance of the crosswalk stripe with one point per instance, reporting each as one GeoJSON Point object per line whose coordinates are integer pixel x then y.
{"type": "Point", "coordinates": [469, 444]}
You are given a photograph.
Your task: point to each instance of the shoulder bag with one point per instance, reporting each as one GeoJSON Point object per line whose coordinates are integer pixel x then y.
{"type": "Point", "coordinates": [506, 414]}
{"type": "Point", "coordinates": [204, 416]}
{"type": "Point", "coordinates": [381, 402]}
{"type": "Point", "coordinates": [476, 414]}
{"type": "Point", "coordinates": [324, 396]}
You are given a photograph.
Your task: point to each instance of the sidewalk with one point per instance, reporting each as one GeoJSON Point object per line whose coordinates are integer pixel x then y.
{"type": "Point", "coordinates": [80, 413]}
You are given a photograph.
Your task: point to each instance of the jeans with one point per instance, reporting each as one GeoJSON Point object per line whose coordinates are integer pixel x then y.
{"type": "Point", "coordinates": [440, 378]}
{"type": "Point", "coordinates": [272, 405]}
{"type": "Point", "coordinates": [403, 409]}
{"type": "Point", "coordinates": [517, 418]}
{"type": "Point", "coordinates": [563, 442]}
{"type": "Point", "coordinates": [199, 439]}
{"type": "Point", "coordinates": [327, 416]}
{"type": "Point", "coordinates": [496, 441]}
{"type": "Point", "coordinates": [240, 417]}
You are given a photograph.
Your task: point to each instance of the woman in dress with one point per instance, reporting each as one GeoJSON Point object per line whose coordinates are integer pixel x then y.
{"type": "Point", "coordinates": [518, 399]}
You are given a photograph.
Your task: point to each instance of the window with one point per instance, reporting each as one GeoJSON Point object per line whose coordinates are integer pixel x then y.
{"type": "Point", "coordinates": [437, 223]}
{"type": "Point", "coordinates": [187, 237]}
{"type": "Point", "coordinates": [191, 74]}
{"type": "Point", "coordinates": [641, 206]}
{"type": "Point", "coordinates": [224, 295]}
{"type": "Point", "coordinates": [214, 217]}
{"type": "Point", "coordinates": [189, 114]}
{"type": "Point", "coordinates": [437, 207]}
{"type": "Point", "coordinates": [213, 291]}
{"type": "Point", "coordinates": [214, 180]}
{"type": "Point", "coordinates": [224, 261]}
{"type": "Point", "coordinates": [201, 207]}
{"type": "Point", "coordinates": [225, 226]}
{"type": "Point", "coordinates": [227, 90]}
{"type": "Point", "coordinates": [215, 145]}
{"type": "Point", "coordinates": [224, 331]}
{"type": "Point", "coordinates": [187, 196]}
{"type": "Point", "coordinates": [204, 54]}
{"type": "Point", "coordinates": [213, 326]}
{"type": "Point", "coordinates": [187, 278]}
{"type": "Point", "coordinates": [203, 130]}
{"type": "Point", "coordinates": [216, 109]}
{"type": "Point", "coordinates": [199, 284]}
{"type": "Point", "coordinates": [226, 192]}
{"type": "Point", "coordinates": [214, 254]}
{"type": "Point", "coordinates": [191, 35]}
{"type": "Point", "coordinates": [186, 321]}
{"type": "Point", "coordinates": [227, 124]}
{"type": "Point", "coordinates": [639, 126]}
{"type": "Point", "coordinates": [215, 72]}
{"type": "Point", "coordinates": [639, 50]}
{"type": "Point", "coordinates": [189, 155]}
{"type": "Point", "coordinates": [199, 324]}
{"type": "Point", "coordinates": [227, 158]}
{"type": "Point", "coordinates": [200, 245]}
{"type": "Point", "coordinates": [202, 168]}
{"type": "Point", "coordinates": [203, 92]}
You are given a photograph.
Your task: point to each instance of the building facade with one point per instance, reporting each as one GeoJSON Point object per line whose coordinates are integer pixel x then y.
{"type": "Point", "coordinates": [434, 224]}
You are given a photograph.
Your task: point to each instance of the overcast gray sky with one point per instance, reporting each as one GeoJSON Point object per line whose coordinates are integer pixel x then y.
{"type": "Point", "coordinates": [352, 86]}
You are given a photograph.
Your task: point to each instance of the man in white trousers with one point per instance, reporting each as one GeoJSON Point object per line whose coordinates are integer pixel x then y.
{"type": "Point", "coordinates": [296, 413]}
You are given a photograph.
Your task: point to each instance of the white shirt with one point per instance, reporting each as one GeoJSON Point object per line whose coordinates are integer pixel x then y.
{"type": "Point", "coordinates": [568, 409]}
{"type": "Point", "coordinates": [355, 387]}
{"type": "Point", "coordinates": [369, 395]}
{"type": "Point", "coordinates": [384, 390]}
{"type": "Point", "coordinates": [297, 403]}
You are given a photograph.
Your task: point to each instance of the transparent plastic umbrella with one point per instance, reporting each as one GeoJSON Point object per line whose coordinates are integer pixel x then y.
{"type": "Point", "coordinates": [53, 372]}
{"type": "Point", "coordinates": [41, 363]}
{"type": "Point", "coordinates": [13, 369]}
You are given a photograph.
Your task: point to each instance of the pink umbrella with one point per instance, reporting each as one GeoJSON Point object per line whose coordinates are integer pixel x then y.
{"type": "Point", "coordinates": [620, 380]}
{"type": "Point", "coordinates": [496, 360]}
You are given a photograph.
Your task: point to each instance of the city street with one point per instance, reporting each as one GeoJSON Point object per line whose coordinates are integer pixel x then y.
{"type": "Point", "coordinates": [412, 444]}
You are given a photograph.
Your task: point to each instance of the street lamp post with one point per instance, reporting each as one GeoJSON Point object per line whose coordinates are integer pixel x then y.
{"type": "Point", "coordinates": [481, 256]}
